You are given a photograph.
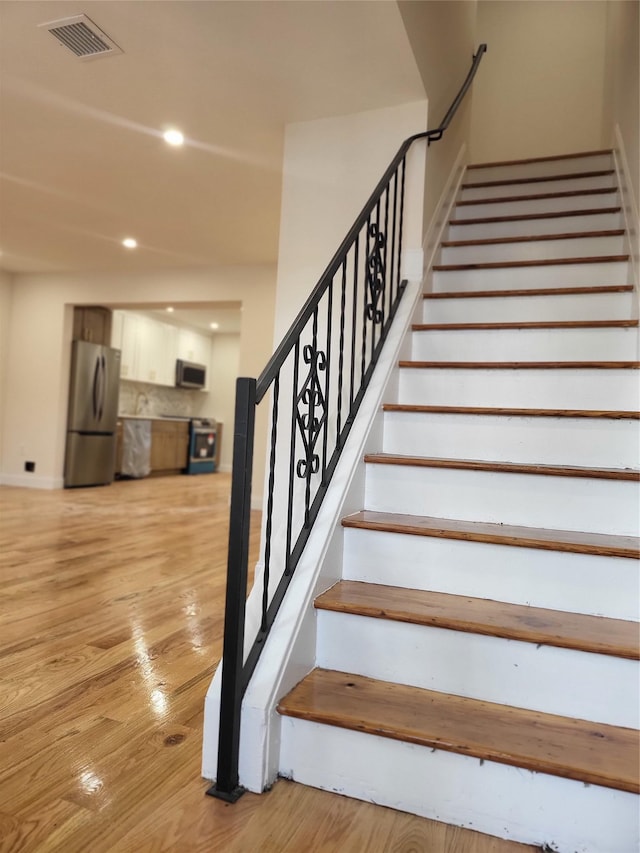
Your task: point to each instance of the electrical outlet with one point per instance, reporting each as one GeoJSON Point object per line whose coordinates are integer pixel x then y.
{"type": "Point", "coordinates": [30, 466]}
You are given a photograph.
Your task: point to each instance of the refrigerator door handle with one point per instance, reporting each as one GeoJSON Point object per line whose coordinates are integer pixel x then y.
{"type": "Point", "coordinates": [95, 391]}
{"type": "Point", "coordinates": [103, 384]}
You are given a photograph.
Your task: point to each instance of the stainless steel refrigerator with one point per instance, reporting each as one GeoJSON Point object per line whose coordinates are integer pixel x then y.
{"type": "Point", "coordinates": [93, 413]}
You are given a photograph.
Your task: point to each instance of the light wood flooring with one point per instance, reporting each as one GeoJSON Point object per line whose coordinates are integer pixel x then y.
{"type": "Point", "coordinates": [111, 617]}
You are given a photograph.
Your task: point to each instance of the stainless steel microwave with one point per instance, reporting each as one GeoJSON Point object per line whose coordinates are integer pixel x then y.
{"type": "Point", "coordinates": [190, 375]}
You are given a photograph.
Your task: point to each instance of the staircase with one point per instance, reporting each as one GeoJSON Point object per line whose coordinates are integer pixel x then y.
{"type": "Point", "coordinates": [478, 661]}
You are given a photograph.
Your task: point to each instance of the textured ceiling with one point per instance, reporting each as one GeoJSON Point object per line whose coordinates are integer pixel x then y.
{"type": "Point", "coordinates": [82, 160]}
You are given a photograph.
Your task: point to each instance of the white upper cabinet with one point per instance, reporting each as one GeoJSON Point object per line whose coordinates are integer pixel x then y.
{"type": "Point", "coordinates": [150, 348]}
{"type": "Point", "coordinates": [193, 346]}
{"type": "Point", "coordinates": [124, 338]}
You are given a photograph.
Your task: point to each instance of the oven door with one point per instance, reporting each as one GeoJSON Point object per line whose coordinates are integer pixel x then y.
{"type": "Point", "coordinates": [202, 450]}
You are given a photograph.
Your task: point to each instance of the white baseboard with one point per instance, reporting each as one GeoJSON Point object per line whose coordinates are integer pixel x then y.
{"type": "Point", "coordinates": [28, 481]}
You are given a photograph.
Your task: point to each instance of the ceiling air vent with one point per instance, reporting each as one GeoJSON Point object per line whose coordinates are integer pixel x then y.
{"type": "Point", "coordinates": [82, 37]}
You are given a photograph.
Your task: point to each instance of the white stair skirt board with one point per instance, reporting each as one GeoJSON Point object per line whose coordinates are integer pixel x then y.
{"type": "Point", "coordinates": [554, 307]}
{"type": "Point", "coordinates": [533, 250]}
{"type": "Point", "coordinates": [531, 227]}
{"type": "Point", "coordinates": [574, 344]}
{"type": "Point", "coordinates": [554, 275]}
{"type": "Point", "coordinates": [509, 672]}
{"type": "Point", "coordinates": [588, 201]}
{"type": "Point", "coordinates": [561, 388]}
{"type": "Point", "coordinates": [558, 580]}
{"type": "Point", "coordinates": [587, 442]}
{"type": "Point", "coordinates": [533, 808]}
{"type": "Point", "coordinates": [568, 503]}
{"type": "Point", "coordinates": [551, 185]}
{"type": "Point", "coordinates": [541, 168]}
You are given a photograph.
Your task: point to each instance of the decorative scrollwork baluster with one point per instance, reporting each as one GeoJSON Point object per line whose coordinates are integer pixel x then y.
{"type": "Point", "coordinates": [376, 273]}
{"type": "Point", "coordinates": [311, 411]}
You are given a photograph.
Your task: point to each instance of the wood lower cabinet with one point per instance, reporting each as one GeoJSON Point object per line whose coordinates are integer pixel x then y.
{"type": "Point", "coordinates": [169, 443]}
{"type": "Point", "coordinates": [169, 446]}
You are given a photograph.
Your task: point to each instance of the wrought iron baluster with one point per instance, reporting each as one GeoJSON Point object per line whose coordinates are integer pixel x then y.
{"type": "Point", "coordinates": [376, 276]}
{"type": "Point", "coordinates": [272, 475]}
{"type": "Point", "coordinates": [365, 294]}
{"type": "Point", "coordinates": [401, 220]}
{"type": "Point", "coordinates": [292, 455]}
{"type": "Point", "coordinates": [354, 309]}
{"type": "Point", "coordinates": [392, 288]}
{"type": "Point", "coordinates": [327, 382]}
{"type": "Point", "coordinates": [386, 257]}
{"type": "Point", "coordinates": [310, 414]}
{"type": "Point", "coordinates": [343, 299]}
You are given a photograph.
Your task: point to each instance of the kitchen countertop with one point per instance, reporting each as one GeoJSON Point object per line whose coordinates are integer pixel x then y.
{"type": "Point", "coordinates": [181, 418]}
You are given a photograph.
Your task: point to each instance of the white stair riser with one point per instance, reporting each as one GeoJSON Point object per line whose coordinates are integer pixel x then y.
{"type": "Point", "coordinates": [557, 580]}
{"type": "Point", "coordinates": [575, 344]}
{"type": "Point", "coordinates": [540, 169]}
{"type": "Point", "coordinates": [573, 247]}
{"type": "Point", "coordinates": [500, 800]}
{"type": "Point", "coordinates": [588, 442]}
{"type": "Point", "coordinates": [566, 388]}
{"type": "Point", "coordinates": [590, 201]}
{"type": "Point", "coordinates": [530, 227]}
{"type": "Point", "coordinates": [514, 278]}
{"type": "Point", "coordinates": [549, 679]}
{"type": "Point", "coordinates": [550, 186]}
{"type": "Point", "coordinates": [532, 500]}
{"type": "Point", "coordinates": [488, 309]}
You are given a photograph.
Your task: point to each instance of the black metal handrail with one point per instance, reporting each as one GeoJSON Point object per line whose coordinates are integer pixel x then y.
{"type": "Point", "coordinates": [349, 313]}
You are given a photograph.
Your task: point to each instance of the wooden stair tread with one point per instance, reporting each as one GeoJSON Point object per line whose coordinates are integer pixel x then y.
{"type": "Point", "coordinates": [597, 544]}
{"type": "Point", "coordinates": [511, 413]}
{"type": "Point", "coordinates": [595, 634]}
{"type": "Point", "coordinates": [533, 238]}
{"type": "Point", "coordinates": [525, 217]}
{"type": "Point", "coordinates": [531, 291]}
{"type": "Point", "coordinates": [537, 196]}
{"type": "Point", "coordinates": [545, 262]}
{"type": "Point", "coordinates": [548, 159]}
{"type": "Point", "coordinates": [503, 467]}
{"type": "Point", "coordinates": [523, 365]}
{"type": "Point", "coordinates": [539, 179]}
{"type": "Point", "coordinates": [592, 753]}
{"type": "Point", "coordinates": [530, 324]}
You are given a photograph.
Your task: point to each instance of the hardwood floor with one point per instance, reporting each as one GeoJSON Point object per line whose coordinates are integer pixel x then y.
{"type": "Point", "coordinates": [111, 614]}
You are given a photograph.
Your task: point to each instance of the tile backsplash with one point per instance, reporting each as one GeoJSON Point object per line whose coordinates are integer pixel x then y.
{"type": "Point", "coordinates": [141, 398]}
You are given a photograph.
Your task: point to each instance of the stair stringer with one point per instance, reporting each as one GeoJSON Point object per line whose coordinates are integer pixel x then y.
{"type": "Point", "coordinates": [291, 647]}
{"type": "Point", "coordinates": [630, 213]}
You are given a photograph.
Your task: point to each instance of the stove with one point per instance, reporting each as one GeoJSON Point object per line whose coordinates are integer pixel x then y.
{"type": "Point", "coordinates": [202, 446]}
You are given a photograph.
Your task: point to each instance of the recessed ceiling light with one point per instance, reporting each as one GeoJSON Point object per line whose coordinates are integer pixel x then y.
{"type": "Point", "coordinates": [129, 242]}
{"type": "Point", "coordinates": [173, 137]}
{"type": "Point", "coordinates": [214, 326]}
{"type": "Point", "coordinates": [169, 309]}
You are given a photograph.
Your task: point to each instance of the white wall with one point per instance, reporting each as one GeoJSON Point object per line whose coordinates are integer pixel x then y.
{"type": "Point", "coordinates": [331, 167]}
{"type": "Point", "coordinates": [6, 292]}
{"type": "Point", "coordinates": [443, 40]}
{"type": "Point", "coordinates": [225, 360]}
{"type": "Point", "coordinates": [621, 123]}
{"type": "Point", "coordinates": [39, 350]}
{"type": "Point", "coordinates": [540, 90]}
